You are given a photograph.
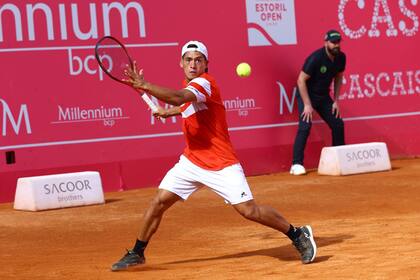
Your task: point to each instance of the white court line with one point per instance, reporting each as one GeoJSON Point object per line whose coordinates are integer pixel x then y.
{"type": "Point", "coordinates": [83, 47]}
{"type": "Point", "coordinates": [171, 134]}
{"type": "Point", "coordinates": [94, 140]}
{"type": "Point", "coordinates": [321, 121]}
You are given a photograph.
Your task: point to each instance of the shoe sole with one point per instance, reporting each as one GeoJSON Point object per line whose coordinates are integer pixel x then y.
{"type": "Point", "coordinates": [121, 268]}
{"type": "Point", "coordinates": [311, 238]}
{"type": "Point", "coordinates": [297, 173]}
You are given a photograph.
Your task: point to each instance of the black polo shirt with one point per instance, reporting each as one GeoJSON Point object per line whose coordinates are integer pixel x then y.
{"type": "Point", "coordinates": [322, 71]}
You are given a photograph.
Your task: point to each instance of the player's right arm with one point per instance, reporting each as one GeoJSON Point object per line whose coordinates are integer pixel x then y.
{"type": "Point", "coordinates": [171, 96]}
{"type": "Point", "coordinates": [303, 90]}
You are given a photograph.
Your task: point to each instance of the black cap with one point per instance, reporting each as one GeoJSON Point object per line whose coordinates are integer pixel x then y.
{"type": "Point", "coordinates": [333, 36]}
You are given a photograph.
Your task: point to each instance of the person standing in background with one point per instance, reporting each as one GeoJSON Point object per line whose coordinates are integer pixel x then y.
{"type": "Point", "coordinates": [321, 68]}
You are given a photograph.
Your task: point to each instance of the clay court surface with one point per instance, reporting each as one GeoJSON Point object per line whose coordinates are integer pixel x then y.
{"type": "Point", "coordinates": [366, 227]}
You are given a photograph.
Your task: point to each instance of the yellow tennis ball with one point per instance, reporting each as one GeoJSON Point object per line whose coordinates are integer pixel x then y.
{"type": "Point", "coordinates": [243, 69]}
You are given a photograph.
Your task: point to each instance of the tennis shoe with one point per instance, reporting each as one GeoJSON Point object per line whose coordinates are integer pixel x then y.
{"type": "Point", "coordinates": [305, 244]}
{"type": "Point", "coordinates": [297, 169]}
{"type": "Point", "coordinates": [130, 258]}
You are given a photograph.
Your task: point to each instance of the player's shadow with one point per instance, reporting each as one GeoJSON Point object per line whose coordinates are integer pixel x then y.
{"type": "Point", "coordinates": [284, 253]}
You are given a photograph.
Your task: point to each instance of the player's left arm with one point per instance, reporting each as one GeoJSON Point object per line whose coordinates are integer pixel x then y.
{"type": "Point", "coordinates": [338, 81]}
{"type": "Point", "coordinates": [168, 112]}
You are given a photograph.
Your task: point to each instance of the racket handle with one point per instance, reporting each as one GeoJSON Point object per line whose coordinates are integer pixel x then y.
{"type": "Point", "coordinates": [149, 102]}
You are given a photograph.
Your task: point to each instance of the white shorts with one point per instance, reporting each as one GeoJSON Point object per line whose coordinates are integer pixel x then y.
{"type": "Point", "coordinates": [186, 177]}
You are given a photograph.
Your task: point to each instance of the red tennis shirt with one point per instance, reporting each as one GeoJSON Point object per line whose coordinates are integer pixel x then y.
{"type": "Point", "coordinates": [204, 126]}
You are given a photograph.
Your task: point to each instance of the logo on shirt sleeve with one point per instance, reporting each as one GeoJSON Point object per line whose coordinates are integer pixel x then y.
{"type": "Point", "coordinates": [323, 69]}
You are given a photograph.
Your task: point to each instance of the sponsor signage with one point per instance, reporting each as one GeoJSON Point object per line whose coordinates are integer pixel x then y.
{"type": "Point", "coordinates": [271, 22]}
{"type": "Point", "coordinates": [57, 109]}
{"type": "Point", "coordinates": [58, 191]}
{"type": "Point", "coordinates": [354, 159]}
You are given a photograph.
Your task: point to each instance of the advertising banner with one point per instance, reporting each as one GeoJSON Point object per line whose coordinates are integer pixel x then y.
{"type": "Point", "coordinates": [59, 111]}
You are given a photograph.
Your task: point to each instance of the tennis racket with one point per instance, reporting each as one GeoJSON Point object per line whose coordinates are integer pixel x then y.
{"type": "Point", "coordinates": [114, 60]}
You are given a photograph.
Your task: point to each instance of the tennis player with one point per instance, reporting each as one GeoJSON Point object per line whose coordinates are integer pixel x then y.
{"type": "Point", "coordinates": [208, 159]}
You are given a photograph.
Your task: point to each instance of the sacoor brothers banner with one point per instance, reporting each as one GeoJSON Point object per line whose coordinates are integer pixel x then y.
{"type": "Point", "coordinates": [58, 110]}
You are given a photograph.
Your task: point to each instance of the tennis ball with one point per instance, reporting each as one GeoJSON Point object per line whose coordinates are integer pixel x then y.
{"type": "Point", "coordinates": [243, 69]}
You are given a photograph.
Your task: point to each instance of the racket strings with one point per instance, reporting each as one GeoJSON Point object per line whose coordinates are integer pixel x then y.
{"type": "Point", "coordinates": [113, 58]}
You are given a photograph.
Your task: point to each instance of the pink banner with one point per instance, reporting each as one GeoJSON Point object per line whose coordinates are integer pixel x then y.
{"type": "Point", "coordinates": [59, 112]}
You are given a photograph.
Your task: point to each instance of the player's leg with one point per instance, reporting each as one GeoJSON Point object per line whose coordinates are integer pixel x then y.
{"type": "Point", "coordinates": [299, 145]}
{"type": "Point", "coordinates": [301, 237]}
{"type": "Point", "coordinates": [150, 223]}
{"type": "Point", "coordinates": [263, 214]}
{"type": "Point", "coordinates": [153, 215]}
{"type": "Point", "coordinates": [176, 185]}
{"type": "Point", "coordinates": [231, 184]}
{"type": "Point", "coordinates": [335, 124]}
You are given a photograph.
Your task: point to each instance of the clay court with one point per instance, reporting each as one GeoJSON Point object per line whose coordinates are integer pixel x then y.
{"type": "Point", "coordinates": [366, 227]}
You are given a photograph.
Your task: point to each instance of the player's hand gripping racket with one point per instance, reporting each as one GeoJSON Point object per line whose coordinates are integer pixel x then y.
{"type": "Point", "coordinates": [114, 60]}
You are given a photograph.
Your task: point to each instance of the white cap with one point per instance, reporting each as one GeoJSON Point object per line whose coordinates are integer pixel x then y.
{"type": "Point", "coordinates": [195, 46]}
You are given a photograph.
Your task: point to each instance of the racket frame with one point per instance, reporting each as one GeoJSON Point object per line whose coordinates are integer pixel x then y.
{"type": "Point", "coordinates": [144, 96]}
